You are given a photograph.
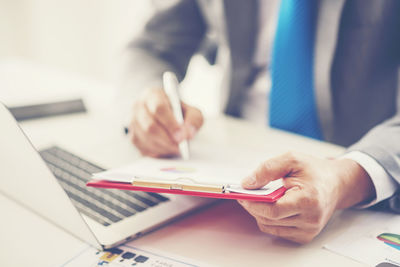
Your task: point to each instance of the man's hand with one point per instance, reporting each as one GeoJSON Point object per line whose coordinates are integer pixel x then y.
{"type": "Point", "coordinates": [315, 189]}
{"type": "Point", "coordinates": [154, 130]}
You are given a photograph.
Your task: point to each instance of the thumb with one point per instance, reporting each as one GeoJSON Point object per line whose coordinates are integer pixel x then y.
{"type": "Point", "coordinates": [268, 171]}
{"type": "Point", "coordinates": [193, 120]}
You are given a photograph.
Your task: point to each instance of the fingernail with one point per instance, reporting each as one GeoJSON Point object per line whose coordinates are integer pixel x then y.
{"type": "Point", "coordinates": [249, 181]}
{"type": "Point", "coordinates": [178, 136]}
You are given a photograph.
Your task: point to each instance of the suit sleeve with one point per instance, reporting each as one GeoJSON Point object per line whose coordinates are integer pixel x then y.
{"type": "Point", "coordinates": [168, 41]}
{"type": "Point", "coordinates": [382, 143]}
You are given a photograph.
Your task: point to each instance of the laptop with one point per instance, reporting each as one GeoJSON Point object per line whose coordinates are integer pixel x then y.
{"type": "Point", "coordinates": [52, 183]}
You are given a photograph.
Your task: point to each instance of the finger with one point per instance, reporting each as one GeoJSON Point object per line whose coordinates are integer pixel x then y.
{"type": "Point", "coordinates": [151, 136]}
{"type": "Point", "coordinates": [268, 211]}
{"type": "Point", "coordinates": [287, 232]}
{"type": "Point", "coordinates": [150, 147]}
{"type": "Point", "coordinates": [160, 108]}
{"type": "Point", "coordinates": [286, 206]}
{"type": "Point", "coordinates": [154, 129]}
{"type": "Point", "coordinates": [159, 133]}
{"type": "Point", "coordinates": [294, 221]}
{"type": "Point", "coordinates": [300, 221]}
{"type": "Point", "coordinates": [146, 146]}
{"type": "Point", "coordinates": [272, 169]}
{"type": "Point", "coordinates": [193, 119]}
{"type": "Point", "coordinates": [141, 146]}
{"type": "Point", "coordinates": [282, 231]}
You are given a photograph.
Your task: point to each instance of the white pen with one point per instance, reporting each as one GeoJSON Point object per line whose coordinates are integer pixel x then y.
{"type": "Point", "coordinates": [171, 86]}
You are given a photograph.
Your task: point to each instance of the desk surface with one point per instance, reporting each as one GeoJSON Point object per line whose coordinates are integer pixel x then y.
{"type": "Point", "coordinates": [223, 234]}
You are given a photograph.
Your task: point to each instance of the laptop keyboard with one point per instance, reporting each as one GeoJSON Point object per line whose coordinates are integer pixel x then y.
{"type": "Point", "coordinates": [106, 206]}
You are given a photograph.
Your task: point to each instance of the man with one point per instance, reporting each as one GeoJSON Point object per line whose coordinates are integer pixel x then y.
{"type": "Point", "coordinates": [342, 56]}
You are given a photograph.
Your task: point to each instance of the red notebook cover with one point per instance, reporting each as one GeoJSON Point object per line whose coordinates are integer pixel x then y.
{"type": "Point", "coordinates": [272, 197]}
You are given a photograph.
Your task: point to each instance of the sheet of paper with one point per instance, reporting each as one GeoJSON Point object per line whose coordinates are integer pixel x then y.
{"type": "Point", "coordinates": [188, 171]}
{"type": "Point", "coordinates": [372, 241]}
{"type": "Point", "coordinates": [128, 255]}
{"type": "Point", "coordinates": [268, 189]}
{"type": "Point", "coordinates": [197, 170]}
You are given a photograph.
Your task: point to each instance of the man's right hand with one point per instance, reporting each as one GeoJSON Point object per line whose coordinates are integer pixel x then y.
{"type": "Point", "coordinates": [154, 130]}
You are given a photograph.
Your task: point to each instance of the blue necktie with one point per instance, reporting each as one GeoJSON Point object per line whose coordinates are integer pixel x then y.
{"type": "Point", "coordinates": [292, 103]}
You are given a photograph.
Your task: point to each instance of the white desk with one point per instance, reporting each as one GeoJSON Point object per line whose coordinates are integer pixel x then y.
{"type": "Point", "coordinates": [223, 235]}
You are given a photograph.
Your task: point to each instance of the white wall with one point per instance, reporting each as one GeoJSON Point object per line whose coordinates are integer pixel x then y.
{"type": "Point", "coordinates": [75, 35]}
{"type": "Point", "coordinates": [86, 37]}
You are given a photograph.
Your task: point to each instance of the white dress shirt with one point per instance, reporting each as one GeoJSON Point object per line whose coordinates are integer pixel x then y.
{"type": "Point", "coordinates": [255, 106]}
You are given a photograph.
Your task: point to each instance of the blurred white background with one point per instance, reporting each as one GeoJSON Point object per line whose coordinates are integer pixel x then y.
{"type": "Point", "coordinates": [87, 38]}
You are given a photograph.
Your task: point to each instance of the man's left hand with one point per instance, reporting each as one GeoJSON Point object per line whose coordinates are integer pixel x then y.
{"type": "Point", "coordinates": [315, 189]}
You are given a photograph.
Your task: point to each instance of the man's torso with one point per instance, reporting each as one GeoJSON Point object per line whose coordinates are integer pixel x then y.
{"type": "Point", "coordinates": [356, 60]}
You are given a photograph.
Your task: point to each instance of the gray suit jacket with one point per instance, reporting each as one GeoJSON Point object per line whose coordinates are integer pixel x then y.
{"type": "Point", "coordinates": [357, 59]}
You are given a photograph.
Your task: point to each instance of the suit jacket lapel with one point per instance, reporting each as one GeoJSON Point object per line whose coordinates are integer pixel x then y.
{"type": "Point", "coordinates": [242, 27]}
{"type": "Point", "coordinates": [326, 39]}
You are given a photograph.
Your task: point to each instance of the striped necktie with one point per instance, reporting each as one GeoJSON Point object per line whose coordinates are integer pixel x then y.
{"type": "Point", "coordinates": [292, 103]}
